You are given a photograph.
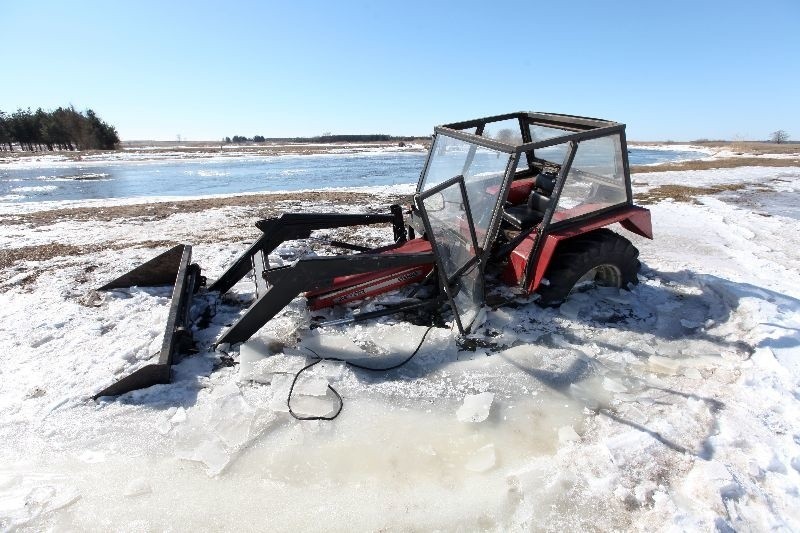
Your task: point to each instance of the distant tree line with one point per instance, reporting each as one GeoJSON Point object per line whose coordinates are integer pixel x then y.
{"type": "Point", "coordinates": [318, 139]}
{"type": "Point", "coordinates": [61, 129]}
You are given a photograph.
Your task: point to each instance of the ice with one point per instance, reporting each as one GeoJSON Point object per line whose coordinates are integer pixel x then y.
{"type": "Point", "coordinates": [331, 370]}
{"type": "Point", "coordinates": [280, 392]}
{"type": "Point", "coordinates": [612, 385]}
{"type": "Point", "coordinates": [663, 365]}
{"type": "Point", "coordinates": [312, 406]}
{"type": "Point", "coordinates": [331, 345]}
{"type": "Point", "coordinates": [309, 385]}
{"type": "Point", "coordinates": [215, 432]}
{"type": "Point", "coordinates": [567, 434]}
{"type": "Point", "coordinates": [179, 416]}
{"type": "Point", "coordinates": [482, 460]}
{"type": "Point", "coordinates": [251, 352]}
{"type": "Point", "coordinates": [137, 487]}
{"type": "Point", "coordinates": [476, 407]}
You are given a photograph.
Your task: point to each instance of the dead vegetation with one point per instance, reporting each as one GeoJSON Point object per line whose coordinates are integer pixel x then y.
{"type": "Point", "coordinates": [263, 204]}
{"type": "Point", "coordinates": [683, 193]}
{"type": "Point", "coordinates": [730, 162]}
{"type": "Point", "coordinates": [46, 252]}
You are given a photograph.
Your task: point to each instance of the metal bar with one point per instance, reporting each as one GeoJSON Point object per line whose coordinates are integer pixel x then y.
{"type": "Point", "coordinates": [308, 274]}
{"type": "Point", "coordinates": [443, 282]}
{"type": "Point", "coordinates": [289, 226]}
{"type": "Point", "coordinates": [579, 136]}
{"type": "Point", "coordinates": [626, 169]}
{"type": "Point", "coordinates": [544, 226]}
{"type": "Point", "coordinates": [474, 139]}
{"type": "Point", "coordinates": [482, 121]}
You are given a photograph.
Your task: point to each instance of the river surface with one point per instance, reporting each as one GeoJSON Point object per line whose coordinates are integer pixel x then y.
{"type": "Point", "coordinates": [130, 178]}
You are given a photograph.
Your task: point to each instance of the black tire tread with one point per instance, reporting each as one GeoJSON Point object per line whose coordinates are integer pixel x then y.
{"type": "Point", "coordinates": [578, 255]}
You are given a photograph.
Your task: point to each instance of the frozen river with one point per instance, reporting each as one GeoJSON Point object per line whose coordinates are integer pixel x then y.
{"type": "Point", "coordinates": [23, 181]}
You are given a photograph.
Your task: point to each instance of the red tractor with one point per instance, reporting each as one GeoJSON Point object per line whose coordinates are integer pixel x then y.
{"type": "Point", "coordinates": [529, 195]}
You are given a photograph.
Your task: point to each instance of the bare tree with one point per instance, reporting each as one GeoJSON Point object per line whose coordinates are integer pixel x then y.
{"type": "Point", "coordinates": [778, 137]}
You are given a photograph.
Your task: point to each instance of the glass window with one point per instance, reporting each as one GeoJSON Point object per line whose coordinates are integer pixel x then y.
{"type": "Point", "coordinates": [596, 179]}
{"type": "Point", "coordinates": [505, 131]}
{"type": "Point", "coordinates": [553, 154]}
{"type": "Point", "coordinates": [543, 133]}
{"type": "Point", "coordinates": [483, 170]}
{"type": "Point", "coordinates": [450, 234]}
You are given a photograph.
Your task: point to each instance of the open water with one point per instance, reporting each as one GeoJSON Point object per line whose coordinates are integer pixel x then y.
{"type": "Point", "coordinates": [85, 180]}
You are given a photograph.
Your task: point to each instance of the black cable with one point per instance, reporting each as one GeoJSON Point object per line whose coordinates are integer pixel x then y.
{"type": "Point", "coordinates": [355, 365]}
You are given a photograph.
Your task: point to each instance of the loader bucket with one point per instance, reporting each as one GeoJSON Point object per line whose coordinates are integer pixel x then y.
{"type": "Point", "coordinates": [173, 267]}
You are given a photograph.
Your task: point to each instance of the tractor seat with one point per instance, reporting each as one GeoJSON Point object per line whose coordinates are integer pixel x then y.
{"type": "Point", "coordinates": [527, 215]}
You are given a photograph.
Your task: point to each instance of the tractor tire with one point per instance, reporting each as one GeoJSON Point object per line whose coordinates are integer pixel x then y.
{"type": "Point", "coordinates": [600, 257]}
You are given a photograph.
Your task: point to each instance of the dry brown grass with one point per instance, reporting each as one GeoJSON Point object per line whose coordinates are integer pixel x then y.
{"type": "Point", "coordinates": [683, 193]}
{"type": "Point", "coordinates": [264, 204]}
{"type": "Point", "coordinates": [258, 205]}
{"type": "Point", "coordinates": [731, 162]}
{"type": "Point", "coordinates": [744, 147]}
{"type": "Point", "coordinates": [45, 252]}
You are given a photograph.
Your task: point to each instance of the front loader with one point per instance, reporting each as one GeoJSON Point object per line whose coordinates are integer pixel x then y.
{"type": "Point", "coordinates": [526, 196]}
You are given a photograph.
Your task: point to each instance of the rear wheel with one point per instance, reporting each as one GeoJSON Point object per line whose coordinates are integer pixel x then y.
{"type": "Point", "coordinates": [598, 258]}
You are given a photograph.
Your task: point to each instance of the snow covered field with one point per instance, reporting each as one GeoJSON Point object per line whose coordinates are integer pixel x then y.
{"type": "Point", "coordinates": [675, 406]}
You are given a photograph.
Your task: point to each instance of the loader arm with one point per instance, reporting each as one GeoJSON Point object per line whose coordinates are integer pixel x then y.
{"type": "Point", "coordinates": [283, 284]}
{"type": "Point", "coordinates": [291, 226]}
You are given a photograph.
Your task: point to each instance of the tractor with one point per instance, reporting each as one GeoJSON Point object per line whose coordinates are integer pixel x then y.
{"type": "Point", "coordinates": [526, 197]}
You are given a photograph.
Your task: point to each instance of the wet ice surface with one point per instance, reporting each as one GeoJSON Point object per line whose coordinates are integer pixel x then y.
{"type": "Point", "coordinates": [137, 175]}
{"type": "Point", "coordinates": [672, 405]}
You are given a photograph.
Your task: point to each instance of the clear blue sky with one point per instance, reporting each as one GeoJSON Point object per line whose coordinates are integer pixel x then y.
{"type": "Point", "coordinates": [670, 70]}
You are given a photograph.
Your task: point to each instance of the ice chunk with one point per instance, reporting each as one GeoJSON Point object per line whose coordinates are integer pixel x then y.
{"type": "Point", "coordinates": [612, 385]}
{"type": "Point", "coordinates": [692, 373]}
{"type": "Point", "coordinates": [663, 365]}
{"type": "Point", "coordinates": [482, 460]}
{"type": "Point", "coordinates": [137, 487]}
{"type": "Point", "coordinates": [567, 434]}
{"type": "Point", "coordinates": [331, 370]}
{"type": "Point", "coordinates": [253, 351]}
{"type": "Point", "coordinates": [476, 407]}
{"type": "Point", "coordinates": [164, 426]}
{"type": "Point", "coordinates": [280, 392]}
{"type": "Point", "coordinates": [179, 416]}
{"type": "Point", "coordinates": [210, 451]}
{"type": "Point", "coordinates": [312, 406]}
{"type": "Point", "coordinates": [307, 385]}
{"type": "Point", "coordinates": [232, 420]}
{"type": "Point", "coordinates": [332, 345]}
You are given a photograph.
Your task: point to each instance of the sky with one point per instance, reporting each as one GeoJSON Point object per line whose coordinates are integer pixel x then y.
{"type": "Point", "coordinates": [673, 70]}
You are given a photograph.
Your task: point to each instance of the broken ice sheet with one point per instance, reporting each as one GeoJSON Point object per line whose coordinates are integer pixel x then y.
{"type": "Point", "coordinates": [476, 407]}
{"type": "Point", "coordinates": [307, 385]}
{"type": "Point", "coordinates": [137, 487]}
{"type": "Point", "coordinates": [482, 460]}
{"type": "Point", "coordinates": [312, 406]}
{"type": "Point", "coordinates": [218, 429]}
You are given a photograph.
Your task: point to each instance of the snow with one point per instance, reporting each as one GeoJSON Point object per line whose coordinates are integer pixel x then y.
{"type": "Point", "coordinates": [672, 406]}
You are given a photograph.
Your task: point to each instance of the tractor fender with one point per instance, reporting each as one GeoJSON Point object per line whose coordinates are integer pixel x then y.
{"type": "Point", "coordinates": [634, 219]}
